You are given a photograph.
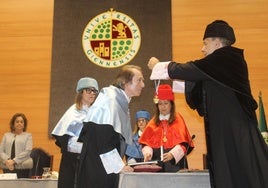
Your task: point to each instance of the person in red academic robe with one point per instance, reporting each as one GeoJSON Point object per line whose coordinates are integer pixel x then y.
{"type": "Point", "coordinates": [166, 137]}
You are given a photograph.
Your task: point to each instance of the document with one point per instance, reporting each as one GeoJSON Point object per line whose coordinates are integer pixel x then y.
{"type": "Point", "coordinates": [8, 176]}
{"type": "Point", "coordinates": [143, 163]}
{"type": "Point", "coordinates": [112, 161]}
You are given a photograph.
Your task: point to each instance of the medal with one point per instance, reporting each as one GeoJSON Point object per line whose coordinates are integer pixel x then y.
{"type": "Point", "coordinates": [156, 99]}
{"type": "Point", "coordinates": [156, 84]}
{"type": "Point", "coordinates": [164, 124]}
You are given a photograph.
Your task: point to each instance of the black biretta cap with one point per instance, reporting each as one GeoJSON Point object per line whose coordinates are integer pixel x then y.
{"type": "Point", "coordinates": [220, 28]}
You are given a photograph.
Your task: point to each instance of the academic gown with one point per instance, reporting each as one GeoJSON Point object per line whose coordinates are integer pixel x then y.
{"type": "Point", "coordinates": [134, 150]}
{"type": "Point", "coordinates": [106, 127]}
{"type": "Point", "coordinates": [238, 155]}
{"type": "Point", "coordinates": [176, 134]}
{"type": "Point", "coordinates": [97, 139]}
{"type": "Point", "coordinates": [66, 133]}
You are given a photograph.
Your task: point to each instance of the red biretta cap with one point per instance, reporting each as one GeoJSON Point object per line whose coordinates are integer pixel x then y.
{"type": "Point", "coordinates": [165, 92]}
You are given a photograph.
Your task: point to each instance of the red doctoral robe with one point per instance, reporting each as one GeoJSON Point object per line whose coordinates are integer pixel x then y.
{"type": "Point", "coordinates": [174, 134]}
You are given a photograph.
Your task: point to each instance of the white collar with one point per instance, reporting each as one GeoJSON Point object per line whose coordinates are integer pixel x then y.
{"type": "Point", "coordinates": [85, 107]}
{"type": "Point", "coordinates": [164, 117]}
{"type": "Point", "coordinates": [139, 132]}
{"type": "Point", "coordinates": [128, 98]}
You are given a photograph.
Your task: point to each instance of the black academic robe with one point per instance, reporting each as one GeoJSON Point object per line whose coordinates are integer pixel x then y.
{"type": "Point", "coordinates": [238, 155]}
{"type": "Point", "coordinates": [97, 139]}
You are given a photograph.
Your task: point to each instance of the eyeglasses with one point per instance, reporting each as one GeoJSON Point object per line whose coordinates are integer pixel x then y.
{"type": "Point", "coordinates": [90, 90]}
{"type": "Point", "coordinates": [141, 120]}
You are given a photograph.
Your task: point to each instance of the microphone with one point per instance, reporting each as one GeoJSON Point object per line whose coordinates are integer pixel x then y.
{"type": "Point", "coordinates": [186, 152]}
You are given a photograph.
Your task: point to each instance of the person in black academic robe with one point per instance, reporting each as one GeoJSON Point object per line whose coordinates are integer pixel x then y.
{"type": "Point", "coordinates": [218, 87]}
{"type": "Point", "coordinates": [97, 139]}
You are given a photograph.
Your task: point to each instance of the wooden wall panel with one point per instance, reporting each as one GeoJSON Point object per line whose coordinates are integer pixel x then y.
{"type": "Point", "coordinates": [25, 58]}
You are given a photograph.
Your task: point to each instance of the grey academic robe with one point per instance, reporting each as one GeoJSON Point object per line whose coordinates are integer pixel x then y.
{"type": "Point", "coordinates": [106, 127]}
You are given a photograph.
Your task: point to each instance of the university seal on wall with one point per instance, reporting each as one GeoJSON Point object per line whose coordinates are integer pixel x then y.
{"type": "Point", "coordinates": [111, 39]}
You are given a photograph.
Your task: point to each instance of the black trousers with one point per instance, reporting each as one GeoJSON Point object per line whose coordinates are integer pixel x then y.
{"type": "Point", "coordinates": [68, 170]}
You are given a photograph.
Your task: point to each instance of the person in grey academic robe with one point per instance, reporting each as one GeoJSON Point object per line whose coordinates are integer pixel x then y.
{"type": "Point", "coordinates": [67, 131]}
{"type": "Point", "coordinates": [107, 130]}
{"type": "Point", "coordinates": [217, 86]}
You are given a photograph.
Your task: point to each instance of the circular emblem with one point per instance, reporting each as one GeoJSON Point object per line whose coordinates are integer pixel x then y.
{"type": "Point", "coordinates": [111, 39]}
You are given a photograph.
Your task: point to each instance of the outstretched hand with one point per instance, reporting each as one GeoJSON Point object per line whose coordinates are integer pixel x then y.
{"type": "Point", "coordinates": [152, 62]}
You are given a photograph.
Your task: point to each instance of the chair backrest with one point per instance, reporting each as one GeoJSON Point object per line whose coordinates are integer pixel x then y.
{"type": "Point", "coordinates": [41, 159]}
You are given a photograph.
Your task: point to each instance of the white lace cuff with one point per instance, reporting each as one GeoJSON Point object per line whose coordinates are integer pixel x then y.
{"type": "Point", "coordinates": [177, 153]}
{"type": "Point", "coordinates": [160, 71]}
